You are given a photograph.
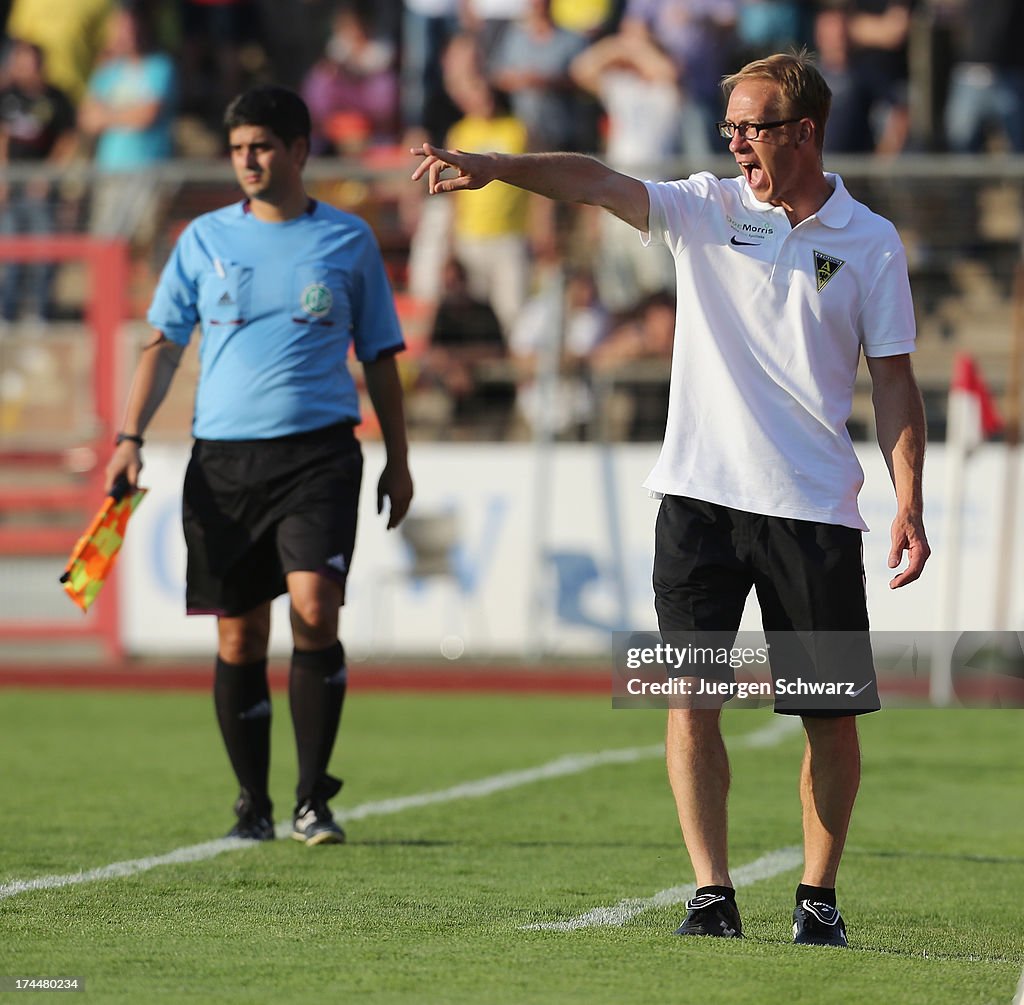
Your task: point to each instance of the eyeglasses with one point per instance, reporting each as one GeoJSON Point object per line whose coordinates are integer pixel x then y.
{"type": "Point", "coordinates": [748, 130]}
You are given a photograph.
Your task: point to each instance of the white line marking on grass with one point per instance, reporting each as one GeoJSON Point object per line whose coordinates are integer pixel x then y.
{"type": "Point", "coordinates": [767, 736]}
{"type": "Point", "coordinates": [1018, 998]}
{"type": "Point", "coordinates": [766, 867]}
{"type": "Point", "coordinates": [572, 764]}
{"type": "Point", "coordinates": [119, 870]}
{"type": "Point", "coordinates": [773, 864]}
{"type": "Point", "coordinates": [569, 765]}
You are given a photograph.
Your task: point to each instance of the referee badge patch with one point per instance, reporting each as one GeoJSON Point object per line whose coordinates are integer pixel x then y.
{"type": "Point", "coordinates": [317, 300]}
{"type": "Point", "coordinates": [825, 267]}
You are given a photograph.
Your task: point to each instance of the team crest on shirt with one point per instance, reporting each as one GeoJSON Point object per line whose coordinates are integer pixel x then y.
{"type": "Point", "coordinates": [825, 267]}
{"type": "Point", "coordinates": [317, 300]}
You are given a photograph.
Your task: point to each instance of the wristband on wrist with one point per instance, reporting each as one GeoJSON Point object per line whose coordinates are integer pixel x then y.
{"type": "Point", "coordinates": [130, 438]}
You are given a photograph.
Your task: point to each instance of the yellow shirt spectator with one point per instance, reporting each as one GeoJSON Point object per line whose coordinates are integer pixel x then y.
{"type": "Point", "coordinates": [498, 209]}
{"type": "Point", "coordinates": [580, 16]}
{"type": "Point", "coordinates": [70, 33]}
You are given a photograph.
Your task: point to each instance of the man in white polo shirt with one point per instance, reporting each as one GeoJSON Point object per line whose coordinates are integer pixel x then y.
{"type": "Point", "coordinates": [783, 279]}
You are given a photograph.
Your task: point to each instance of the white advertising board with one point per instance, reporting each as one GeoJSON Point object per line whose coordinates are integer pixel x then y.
{"type": "Point", "coordinates": [552, 552]}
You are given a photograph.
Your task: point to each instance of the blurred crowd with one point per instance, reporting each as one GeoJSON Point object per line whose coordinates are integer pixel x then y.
{"type": "Point", "coordinates": [129, 85]}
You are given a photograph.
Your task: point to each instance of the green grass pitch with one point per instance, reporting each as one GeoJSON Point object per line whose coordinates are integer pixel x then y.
{"type": "Point", "coordinates": [427, 904]}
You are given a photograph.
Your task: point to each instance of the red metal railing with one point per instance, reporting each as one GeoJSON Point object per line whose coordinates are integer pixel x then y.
{"type": "Point", "coordinates": [106, 261]}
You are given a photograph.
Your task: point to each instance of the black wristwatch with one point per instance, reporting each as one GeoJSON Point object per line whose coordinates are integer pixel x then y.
{"type": "Point", "coordinates": [128, 437]}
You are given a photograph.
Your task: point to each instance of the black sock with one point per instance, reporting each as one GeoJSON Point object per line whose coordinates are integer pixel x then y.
{"type": "Point", "coordinates": [316, 691]}
{"type": "Point", "coordinates": [822, 894]}
{"type": "Point", "coordinates": [722, 891]}
{"type": "Point", "coordinates": [242, 700]}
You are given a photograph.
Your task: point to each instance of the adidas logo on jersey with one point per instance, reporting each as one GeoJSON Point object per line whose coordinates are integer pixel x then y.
{"type": "Point", "coordinates": [225, 299]}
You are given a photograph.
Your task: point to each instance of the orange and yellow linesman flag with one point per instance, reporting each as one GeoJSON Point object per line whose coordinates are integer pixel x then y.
{"type": "Point", "coordinates": [94, 554]}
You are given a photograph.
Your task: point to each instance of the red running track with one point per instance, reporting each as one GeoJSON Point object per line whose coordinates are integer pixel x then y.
{"type": "Point", "coordinates": [362, 677]}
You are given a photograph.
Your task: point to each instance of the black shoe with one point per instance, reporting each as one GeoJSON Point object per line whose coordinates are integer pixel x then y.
{"type": "Point", "coordinates": [254, 821]}
{"type": "Point", "coordinates": [711, 914]}
{"type": "Point", "coordinates": [817, 924]}
{"type": "Point", "coordinates": [314, 824]}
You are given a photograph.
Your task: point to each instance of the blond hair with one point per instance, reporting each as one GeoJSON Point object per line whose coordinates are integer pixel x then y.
{"type": "Point", "coordinates": [803, 88]}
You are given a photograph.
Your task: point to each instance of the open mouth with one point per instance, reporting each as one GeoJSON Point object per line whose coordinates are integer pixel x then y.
{"type": "Point", "coordinates": [754, 173]}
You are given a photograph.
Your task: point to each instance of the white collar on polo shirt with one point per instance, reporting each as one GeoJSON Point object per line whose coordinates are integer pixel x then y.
{"type": "Point", "coordinates": [835, 213]}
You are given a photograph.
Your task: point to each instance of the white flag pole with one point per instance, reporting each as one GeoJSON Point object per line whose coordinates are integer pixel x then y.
{"type": "Point", "coordinates": [958, 426]}
{"type": "Point", "coordinates": [971, 417]}
{"type": "Point", "coordinates": [1008, 517]}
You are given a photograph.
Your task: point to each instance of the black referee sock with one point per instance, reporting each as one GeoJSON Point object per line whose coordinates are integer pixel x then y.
{"type": "Point", "coordinates": [821, 894]}
{"type": "Point", "coordinates": [316, 691]}
{"type": "Point", "coordinates": [722, 891]}
{"type": "Point", "coordinates": [242, 700]}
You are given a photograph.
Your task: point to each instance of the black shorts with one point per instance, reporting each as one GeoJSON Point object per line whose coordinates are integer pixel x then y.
{"type": "Point", "coordinates": [809, 582]}
{"type": "Point", "coordinates": [255, 510]}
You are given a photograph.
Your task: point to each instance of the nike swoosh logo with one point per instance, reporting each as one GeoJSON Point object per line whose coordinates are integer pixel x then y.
{"type": "Point", "coordinates": [751, 244]}
{"type": "Point", "coordinates": [858, 691]}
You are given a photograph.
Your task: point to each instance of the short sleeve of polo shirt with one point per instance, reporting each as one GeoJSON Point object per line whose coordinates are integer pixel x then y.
{"type": "Point", "coordinates": [675, 209]}
{"type": "Point", "coordinates": [174, 309]}
{"type": "Point", "coordinates": [376, 332]}
{"type": "Point", "coordinates": [886, 324]}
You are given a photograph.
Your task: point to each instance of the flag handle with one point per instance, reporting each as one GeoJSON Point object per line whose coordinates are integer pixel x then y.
{"type": "Point", "coordinates": [116, 494]}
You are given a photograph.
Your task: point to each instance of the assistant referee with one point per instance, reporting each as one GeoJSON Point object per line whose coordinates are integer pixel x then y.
{"type": "Point", "coordinates": [281, 286]}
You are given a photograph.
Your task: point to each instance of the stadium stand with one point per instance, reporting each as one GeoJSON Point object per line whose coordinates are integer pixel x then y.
{"type": "Point", "coordinates": [960, 217]}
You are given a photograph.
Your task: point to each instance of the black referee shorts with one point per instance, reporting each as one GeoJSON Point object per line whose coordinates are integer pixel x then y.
{"type": "Point", "coordinates": [809, 581]}
{"type": "Point", "coordinates": [255, 510]}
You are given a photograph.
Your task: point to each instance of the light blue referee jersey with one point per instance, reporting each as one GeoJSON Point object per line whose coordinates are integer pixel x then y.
{"type": "Point", "coordinates": [279, 304]}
